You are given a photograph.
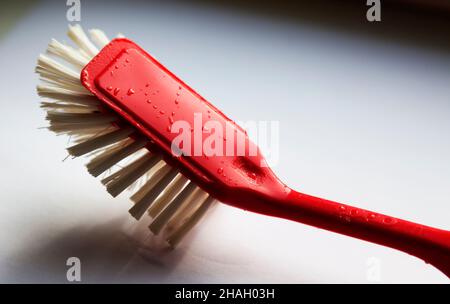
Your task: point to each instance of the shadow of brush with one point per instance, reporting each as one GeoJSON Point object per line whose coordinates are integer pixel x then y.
{"type": "Point", "coordinates": [106, 253]}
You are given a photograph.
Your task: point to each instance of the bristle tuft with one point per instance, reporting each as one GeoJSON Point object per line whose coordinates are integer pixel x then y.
{"type": "Point", "coordinates": [141, 206]}
{"type": "Point", "coordinates": [177, 235]}
{"type": "Point", "coordinates": [99, 37]}
{"type": "Point", "coordinates": [100, 141]}
{"type": "Point", "coordinates": [78, 36]}
{"type": "Point", "coordinates": [112, 156]}
{"type": "Point", "coordinates": [125, 177]}
{"type": "Point", "coordinates": [67, 53]}
{"type": "Point", "coordinates": [165, 215]}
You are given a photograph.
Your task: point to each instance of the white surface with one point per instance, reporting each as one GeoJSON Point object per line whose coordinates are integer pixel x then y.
{"type": "Point", "coordinates": [361, 122]}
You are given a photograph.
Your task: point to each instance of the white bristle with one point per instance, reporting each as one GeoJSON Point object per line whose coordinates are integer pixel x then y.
{"type": "Point", "coordinates": [77, 34]}
{"type": "Point", "coordinates": [67, 53]}
{"type": "Point", "coordinates": [129, 174]}
{"type": "Point", "coordinates": [176, 236]}
{"type": "Point", "coordinates": [100, 141]}
{"type": "Point", "coordinates": [139, 209]}
{"type": "Point", "coordinates": [67, 107]}
{"type": "Point", "coordinates": [79, 117]}
{"type": "Point", "coordinates": [168, 195]}
{"type": "Point", "coordinates": [174, 203]}
{"type": "Point", "coordinates": [165, 215]}
{"type": "Point", "coordinates": [127, 168]}
{"type": "Point", "coordinates": [64, 95]}
{"type": "Point", "coordinates": [99, 37]}
{"type": "Point", "coordinates": [158, 173]}
{"type": "Point", "coordinates": [84, 54]}
{"type": "Point", "coordinates": [50, 67]}
{"type": "Point", "coordinates": [112, 156]}
{"type": "Point", "coordinates": [78, 131]}
{"type": "Point", "coordinates": [184, 212]}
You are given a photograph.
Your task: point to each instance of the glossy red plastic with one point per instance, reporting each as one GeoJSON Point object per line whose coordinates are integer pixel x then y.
{"type": "Point", "coordinates": [143, 92]}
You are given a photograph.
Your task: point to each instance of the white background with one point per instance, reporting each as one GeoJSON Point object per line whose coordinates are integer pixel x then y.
{"type": "Point", "coordinates": [362, 121]}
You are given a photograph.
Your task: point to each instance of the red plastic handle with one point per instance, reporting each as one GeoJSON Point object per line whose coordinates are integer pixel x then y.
{"type": "Point", "coordinates": [429, 244]}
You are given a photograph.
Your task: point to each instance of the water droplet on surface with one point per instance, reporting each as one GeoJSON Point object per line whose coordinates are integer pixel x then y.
{"type": "Point", "coordinates": [130, 92]}
{"type": "Point", "coordinates": [116, 91]}
{"type": "Point", "coordinates": [155, 107]}
{"type": "Point", "coordinates": [169, 128]}
{"type": "Point", "coordinates": [162, 112]}
{"type": "Point", "coordinates": [116, 66]}
{"type": "Point", "coordinates": [149, 101]}
{"type": "Point", "coordinates": [127, 60]}
{"type": "Point", "coordinates": [176, 101]}
{"type": "Point", "coordinates": [173, 113]}
{"type": "Point", "coordinates": [109, 88]}
{"type": "Point", "coordinates": [389, 220]}
{"type": "Point", "coordinates": [171, 119]}
{"type": "Point", "coordinates": [220, 170]}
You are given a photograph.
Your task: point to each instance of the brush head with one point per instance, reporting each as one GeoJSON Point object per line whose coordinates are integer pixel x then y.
{"type": "Point", "coordinates": [189, 132]}
{"type": "Point", "coordinates": [124, 157]}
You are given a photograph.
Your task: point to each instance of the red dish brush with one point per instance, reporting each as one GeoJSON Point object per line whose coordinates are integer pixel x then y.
{"type": "Point", "coordinates": [122, 106]}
